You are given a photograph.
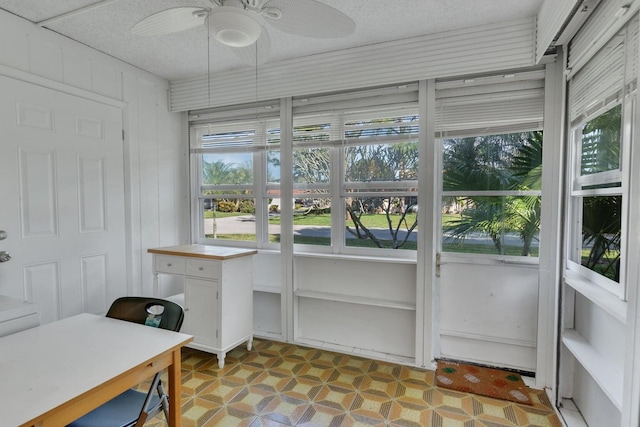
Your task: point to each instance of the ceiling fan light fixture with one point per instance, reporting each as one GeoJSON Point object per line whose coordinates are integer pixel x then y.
{"type": "Point", "coordinates": [234, 27]}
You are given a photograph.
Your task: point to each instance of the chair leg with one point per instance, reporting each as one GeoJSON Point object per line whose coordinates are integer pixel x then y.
{"type": "Point", "coordinates": [164, 401]}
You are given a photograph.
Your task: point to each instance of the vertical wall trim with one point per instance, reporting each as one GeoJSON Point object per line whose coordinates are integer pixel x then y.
{"type": "Point", "coordinates": [551, 225]}
{"type": "Point", "coordinates": [287, 301]}
{"type": "Point", "coordinates": [428, 178]}
{"type": "Point", "coordinates": [631, 387]}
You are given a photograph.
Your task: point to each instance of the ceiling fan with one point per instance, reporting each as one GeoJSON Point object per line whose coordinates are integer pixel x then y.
{"type": "Point", "coordinates": [242, 24]}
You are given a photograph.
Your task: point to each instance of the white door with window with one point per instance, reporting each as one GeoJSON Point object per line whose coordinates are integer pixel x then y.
{"type": "Point", "coordinates": [61, 200]}
{"type": "Point", "coordinates": [490, 140]}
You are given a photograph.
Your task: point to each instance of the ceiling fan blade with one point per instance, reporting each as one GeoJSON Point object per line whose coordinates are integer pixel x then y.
{"type": "Point", "coordinates": [309, 18]}
{"type": "Point", "coordinates": [250, 56]}
{"type": "Point", "coordinates": [170, 21]}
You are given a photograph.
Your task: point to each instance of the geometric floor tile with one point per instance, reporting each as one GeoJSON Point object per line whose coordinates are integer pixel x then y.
{"type": "Point", "coordinates": [281, 385]}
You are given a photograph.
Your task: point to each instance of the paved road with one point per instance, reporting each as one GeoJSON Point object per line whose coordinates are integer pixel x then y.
{"type": "Point", "coordinates": [246, 225]}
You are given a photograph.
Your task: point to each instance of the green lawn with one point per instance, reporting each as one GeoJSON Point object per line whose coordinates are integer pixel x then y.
{"type": "Point", "coordinates": [209, 214]}
{"type": "Point", "coordinates": [368, 220]}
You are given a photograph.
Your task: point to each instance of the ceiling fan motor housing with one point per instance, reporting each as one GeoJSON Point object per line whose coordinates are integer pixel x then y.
{"type": "Point", "coordinates": [234, 27]}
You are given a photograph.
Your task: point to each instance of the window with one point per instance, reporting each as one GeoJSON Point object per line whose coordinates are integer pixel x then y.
{"type": "Point", "coordinates": [380, 180]}
{"type": "Point", "coordinates": [491, 194]}
{"type": "Point", "coordinates": [311, 174]}
{"type": "Point", "coordinates": [236, 168]}
{"type": "Point", "coordinates": [355, 178]}
{"type": "Point", "coordinates": [596, 200]}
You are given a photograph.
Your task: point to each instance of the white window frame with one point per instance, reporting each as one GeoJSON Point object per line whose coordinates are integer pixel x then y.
{"type": "Point", "coordinates": [339, 189]}
{"type": "Point", "coordinates": [576, 193]}
{"type": "Point", "coordinates": [259, 188]}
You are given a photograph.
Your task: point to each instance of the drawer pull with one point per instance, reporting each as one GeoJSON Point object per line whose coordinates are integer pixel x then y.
{"type": "Point", "coordinates": [169, 265]}
{"type": "Point", "coordinates": [201, 268]}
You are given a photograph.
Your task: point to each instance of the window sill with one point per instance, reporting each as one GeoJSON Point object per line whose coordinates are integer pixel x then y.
{"type": "Point", "coordinates": [602, 298]}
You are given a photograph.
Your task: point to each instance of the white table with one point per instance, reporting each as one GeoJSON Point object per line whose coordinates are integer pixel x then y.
{"type": "Point", "coordinates": [53, 374]}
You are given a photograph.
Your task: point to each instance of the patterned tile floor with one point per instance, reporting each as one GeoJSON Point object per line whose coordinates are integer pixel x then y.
{"type": "Point", "coordinates": [278, 384]}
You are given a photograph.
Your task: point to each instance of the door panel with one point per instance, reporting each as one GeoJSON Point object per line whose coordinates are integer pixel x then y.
{"type": "Point", "coordinates": [489, 313]}
{"type": "Point", "coordinates": [62, 200]}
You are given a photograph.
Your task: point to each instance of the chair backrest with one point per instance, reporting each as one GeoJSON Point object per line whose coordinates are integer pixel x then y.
{"type": "Point", "coordinates": [134, 309]}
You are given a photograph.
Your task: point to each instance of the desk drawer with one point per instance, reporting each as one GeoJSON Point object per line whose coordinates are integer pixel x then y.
{"type": "Point", "coordinates": [207, 269]}
{"type": "Point", "coordinates": [170, 264]}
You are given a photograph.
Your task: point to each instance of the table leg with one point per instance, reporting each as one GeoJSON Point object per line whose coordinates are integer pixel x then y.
{"type": "Point", "coordinates": [175, 385]}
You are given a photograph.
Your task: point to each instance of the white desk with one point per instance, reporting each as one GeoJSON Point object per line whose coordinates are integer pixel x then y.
{"type": "Point", "coordinates": [55, 373]}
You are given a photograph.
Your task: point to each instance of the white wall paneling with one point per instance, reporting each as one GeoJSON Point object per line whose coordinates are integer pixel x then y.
{"type": "Point", "coordinates": [268, 295]}
{"type": "Point", "coordinates": [267, 314]}
{"type": "Point", "coordinates": [375, 313]}
{"type": "Point", "coordinates": [377, 332]}
{"type": "Point", "coordinates": [156, 179]}
{"type": "Point", "coordinates": [593, 404]}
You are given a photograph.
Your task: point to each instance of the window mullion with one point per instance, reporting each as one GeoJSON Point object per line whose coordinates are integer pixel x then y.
{"type": "Point", "coordinates": [338, 212]}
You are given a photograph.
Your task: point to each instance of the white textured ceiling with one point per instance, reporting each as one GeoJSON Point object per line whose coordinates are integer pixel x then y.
{"type": "Point", "coordinates": [184, 54]}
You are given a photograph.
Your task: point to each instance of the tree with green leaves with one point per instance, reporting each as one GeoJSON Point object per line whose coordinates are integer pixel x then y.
{"type": "Point", "coordinates": [495, 163]}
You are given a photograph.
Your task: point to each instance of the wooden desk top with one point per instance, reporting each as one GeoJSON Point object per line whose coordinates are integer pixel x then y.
{"type": "Point", "coordinates": [47, 366]}
{"type": "Point", "coordinates": [203, 251]}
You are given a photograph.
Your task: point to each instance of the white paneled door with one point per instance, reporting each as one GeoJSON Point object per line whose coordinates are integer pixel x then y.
{"type": "Point", "coordinates": [61, 200]}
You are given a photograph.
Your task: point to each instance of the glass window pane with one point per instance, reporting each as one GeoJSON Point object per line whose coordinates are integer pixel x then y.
{"type": "Point", "coordinates": [385, 222]}
{"type": "Point", "coordinates": [600, 146]}
{"type": "Point", "coordinates": [494, 162]}
{"type": "Point", "coordinates": [227, 168]}
{"type": "Point", "coordinates": [500, 225]}
{"type": "Point", "coordinates": [601, 231]}
{"type": "Point", "coordinates": [312, 218]}
{"type": "Point", "coordinates": [273, 166]}
{"type": "Point", "coordinates": [381, 162]}
{"type": "Point", "coordinates": [228, 218]}
{"type": "Point", "coordinates": [311, 165]}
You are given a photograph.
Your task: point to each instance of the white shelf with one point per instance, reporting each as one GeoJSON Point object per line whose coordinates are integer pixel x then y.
{"type": "Point", "coordinates": [346, 257]}
{"type": "Point", "coordinates": [329, 296]}
{"type": "Point", "coordinates": [609, 380]}
{"type": "Point", "coordinates": [267, 289]}
{"type": "Point", "coordinates": [604, 299]}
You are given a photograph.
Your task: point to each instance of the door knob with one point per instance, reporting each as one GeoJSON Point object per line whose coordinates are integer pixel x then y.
{"type": "Point", "coordinates": [4, 256]}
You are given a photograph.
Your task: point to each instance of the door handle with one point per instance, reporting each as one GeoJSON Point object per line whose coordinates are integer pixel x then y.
{"type": "Point", "coordinates": [4, 256]}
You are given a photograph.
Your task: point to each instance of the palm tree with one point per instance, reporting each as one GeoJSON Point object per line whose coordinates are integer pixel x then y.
{"type": "Point", "coordinates": [499, 162]}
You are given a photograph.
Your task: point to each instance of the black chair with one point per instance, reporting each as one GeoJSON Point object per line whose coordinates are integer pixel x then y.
{"type": "Point", "coordinates": [134, 408]}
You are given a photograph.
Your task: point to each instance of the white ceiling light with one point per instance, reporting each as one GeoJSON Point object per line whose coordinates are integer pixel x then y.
{"type": "Point", "coordinates": [234, 27]}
